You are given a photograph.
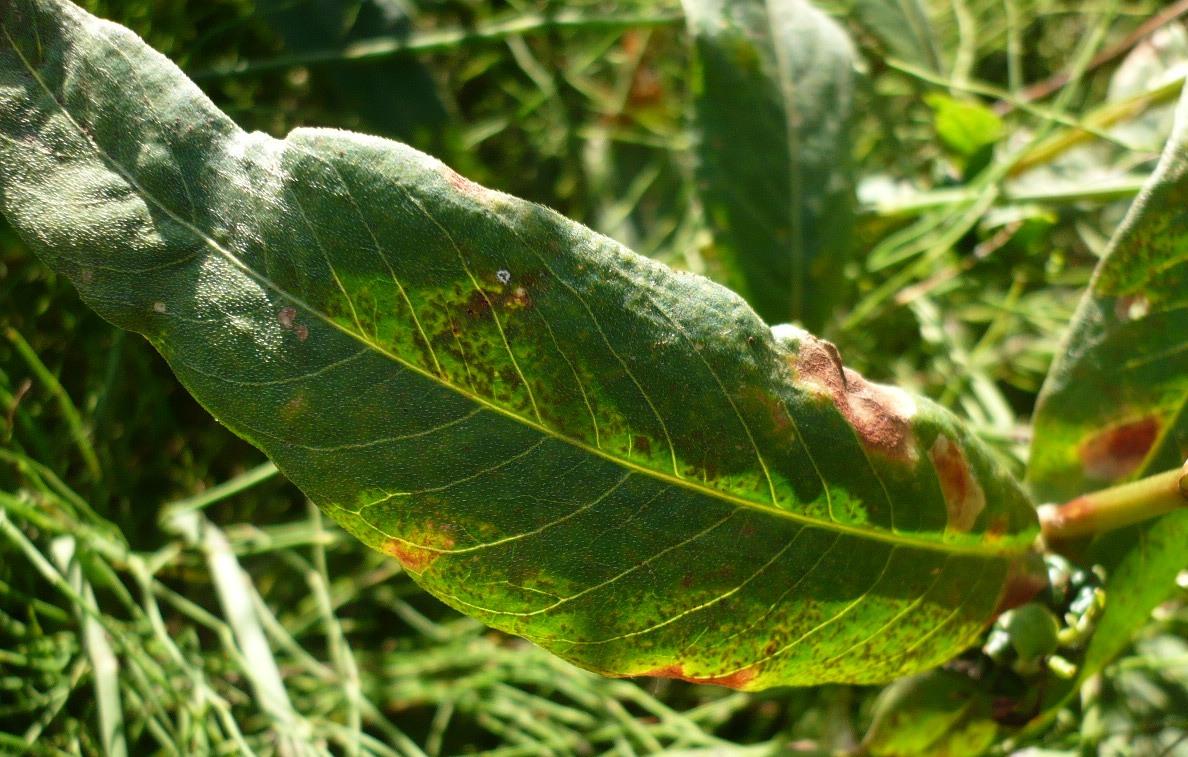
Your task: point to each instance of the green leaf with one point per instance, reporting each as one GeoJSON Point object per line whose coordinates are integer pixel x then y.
{"type": "Point", "coordinates": [964, 127]}
{"type": "Point", "coordinates": [939, 713]}
{"type": "Point", "coordinates": [1115, 405]}
{"type": "Point", "coordinates": [773, 93]}
{"type": "Point", "coordinates": [903, 27]}
{"type": "Point", "coordinates": [559, 437]}
{"type": "Point", "coordinates": [395, 96]}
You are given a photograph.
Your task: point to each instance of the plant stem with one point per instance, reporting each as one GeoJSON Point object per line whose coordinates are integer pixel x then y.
{"type": "Point", "coordinates": [918, 203]}
{"type": "Point", "coordinates": [449, 38]}
{"type": "Point", "coordinates": [1119, 506]}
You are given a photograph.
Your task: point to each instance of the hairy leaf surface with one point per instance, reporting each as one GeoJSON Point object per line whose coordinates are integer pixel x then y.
{"type": "Point", "coordinates": [773, 91]}
{"type": "Point", "coordinates": [557, 436]}
{"type": "Point", "coordinates": [1115, 404]}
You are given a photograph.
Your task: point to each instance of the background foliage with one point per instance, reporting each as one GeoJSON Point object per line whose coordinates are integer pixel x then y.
{"type": "Point", "coordinates": [239, 621]}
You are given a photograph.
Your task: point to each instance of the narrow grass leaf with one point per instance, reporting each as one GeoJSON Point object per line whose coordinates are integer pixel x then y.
{"type": "Point", "coordinates": [105, 667]}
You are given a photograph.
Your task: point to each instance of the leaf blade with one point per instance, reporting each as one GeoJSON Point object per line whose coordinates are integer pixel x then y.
{"type": "Point", "coordinates": [1115, 404]}
{"type": "Point", "coordinates": [483, 389]}
{"type": "Point", "coordinates": [773, 85]}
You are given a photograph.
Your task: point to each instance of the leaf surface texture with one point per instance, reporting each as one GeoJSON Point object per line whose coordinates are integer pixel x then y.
{"type": "Point", "coordinates": [557, 436]}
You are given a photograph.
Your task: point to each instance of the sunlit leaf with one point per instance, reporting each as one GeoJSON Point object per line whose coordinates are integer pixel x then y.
{"type": "Point", "coordinates": [1115, 405]}
{"type": "Point", "coordinates": [559, 437]}
{"type": "Point", "coordinates": [773, 91]}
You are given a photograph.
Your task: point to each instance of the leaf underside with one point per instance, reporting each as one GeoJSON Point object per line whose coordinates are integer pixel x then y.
{"type": "Point", "coordinates": [1115, 404]}
{"type": "Point", "coordinates": [559, 437]}
{"type": "Point", "coordinates": [773, 94]}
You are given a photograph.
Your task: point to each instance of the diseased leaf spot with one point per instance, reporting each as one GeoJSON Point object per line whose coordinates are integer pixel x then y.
{"type": "Point", "coordinates": [159, 307]}
{"type": "Point", "coordinates": [463, 184]}
{"type": "Point", "coordinates": [286, 317]}
{"type": "Point", "coordinates": [1119, 450]}
{"type": "Point", "coordinates": [503, 275]}
{"type": "Point", "coordinates": [736, 680]}
{"type": "Point", "coordinates": [302, 332]}
{"type": "Point", "coordinates": [964, 497]}
{"type": "Point", "coordinates": [880, 415]}
{"type": "Point", "coordinates": [417, 557]}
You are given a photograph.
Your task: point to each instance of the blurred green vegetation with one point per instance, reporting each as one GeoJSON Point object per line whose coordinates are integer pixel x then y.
{"type": "Point", "coordinates": [136, 530]}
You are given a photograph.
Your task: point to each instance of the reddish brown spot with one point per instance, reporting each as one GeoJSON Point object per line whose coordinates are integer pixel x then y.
{"type": "Point", "coordinates": [286, 317]}
{"type": "Point", "coordinates": [463, 184]}
{"type": "Point", "coordinates": [997, 528]}
{"type": "Point", "coordinates": [302, 332]}
{"type": "Point", "coordinates": [1026, 578]}
{"type": "Point", "coordinates": [642, 444]}
{"type": "Point", "coordinates": [294, 407]}
{"type": "Point", "coordinates": [478, 305]}
{"type": "Point", "coordinates": [879, 414]}
{"type": "Point", "coordinates": [420, 550]}
{"type": "Point", "coordinates": [736, 680]}
{"type": "Point", "coordinates": [518, 298]}
{"type": "Point", "coordinates": [1119, 450]}
{"type": "Point", "coordinates": [413, 558]}
{"type": "Point", "coordinates": [964, 497]}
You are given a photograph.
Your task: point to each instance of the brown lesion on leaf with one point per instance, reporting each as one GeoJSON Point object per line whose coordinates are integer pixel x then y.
{"type": "Point", "coordinates": [736, 680]}
{"type": "Point", "coordinates": [420, 550]}
{"type": "Point", "coordinates": [463, 184]}
{"type": "Point", "coordinates": [964, 497]}
{"type": "Point", "coordinates": [1118, 450]}
{"type": "Point", "coordinates": [880, 415]}
{"type": "Point", "coordinates": [287, 317]}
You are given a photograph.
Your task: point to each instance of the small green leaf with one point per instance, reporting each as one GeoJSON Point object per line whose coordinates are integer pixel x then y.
{"type": "Point", "coordinates": [1115, 404]}
{"type": "Point", "coordinates": [773, 93]}
{"type": "Point", "coordinates": [935, 714]}
{"type": "Point", "coordinates": [559, 437]}
{"type": "Point", "coordinates": [964, 127]}
{"type": "Point", "coordinates": [1032, 630]}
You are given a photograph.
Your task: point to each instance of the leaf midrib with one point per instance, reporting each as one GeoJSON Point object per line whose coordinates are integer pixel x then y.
{"type": "Point", "coordinates": [896, 539]}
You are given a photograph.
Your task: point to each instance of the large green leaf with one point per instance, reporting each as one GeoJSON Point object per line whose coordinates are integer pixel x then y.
{"type": "Point", "coordinates": [559, 437]}
{"type": "Point", "coordinates": [773, 91]}
{"type": "Point", "coordinates": [1115, 404]}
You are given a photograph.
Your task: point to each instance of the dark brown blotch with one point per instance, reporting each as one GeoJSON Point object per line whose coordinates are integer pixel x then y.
{"type": "Point", "coordinates": [880, 415]}
{"type": "Point", "coordinates": [1119, 450]}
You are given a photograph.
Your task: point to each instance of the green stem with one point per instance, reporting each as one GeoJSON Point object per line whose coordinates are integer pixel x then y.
{"type": "Point", "coordinates": [921, 202]}
{"type": "Point", "coordinates": [1119, 506]}
{"type": "Point", "coordinates": [438, 40]}
{"type": "Point", "coordinates": [74, 421]}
